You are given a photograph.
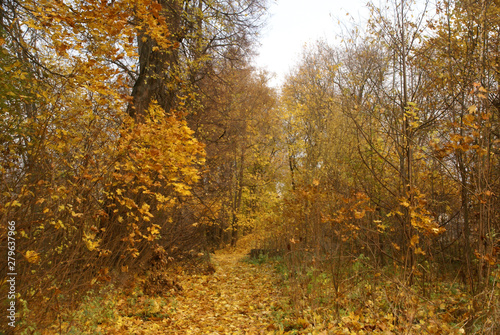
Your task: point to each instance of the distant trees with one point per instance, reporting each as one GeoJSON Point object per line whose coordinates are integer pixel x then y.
{"type": "Point", "coordinates": [237, 126]}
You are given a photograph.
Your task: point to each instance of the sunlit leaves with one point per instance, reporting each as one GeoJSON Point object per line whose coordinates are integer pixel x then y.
{"type": "Point", "coordinates": [161, 160]}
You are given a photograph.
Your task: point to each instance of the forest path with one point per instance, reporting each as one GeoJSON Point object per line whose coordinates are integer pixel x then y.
{"type": "Point", "coordinates": [239, 298]}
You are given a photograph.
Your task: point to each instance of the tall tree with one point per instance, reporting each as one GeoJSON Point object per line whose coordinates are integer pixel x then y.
{"type": "Point", "coordinates": [199, 32]}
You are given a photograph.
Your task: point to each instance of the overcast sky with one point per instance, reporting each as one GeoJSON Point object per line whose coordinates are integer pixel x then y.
{"type": "Point", "coordinates": [295, 23]}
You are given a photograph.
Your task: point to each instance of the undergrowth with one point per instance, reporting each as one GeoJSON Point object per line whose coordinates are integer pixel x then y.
{"type": "Point", "coordinates": [358, 299]}
{"type": "Point", "coordinates": [315, 298]}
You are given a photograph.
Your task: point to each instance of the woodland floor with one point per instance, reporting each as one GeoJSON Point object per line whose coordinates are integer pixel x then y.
{"type": "Point", "coordinates": [239, 298]}
{"type": "Point", "coordinates": [252, 297]}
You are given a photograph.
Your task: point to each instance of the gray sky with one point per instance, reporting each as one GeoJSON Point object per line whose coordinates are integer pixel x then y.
{"type": "Point", "coordinates": [294, 23]}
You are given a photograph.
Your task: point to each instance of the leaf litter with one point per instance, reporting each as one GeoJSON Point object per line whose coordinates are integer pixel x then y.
{"type": "Point", "coordinates": [239, 298]}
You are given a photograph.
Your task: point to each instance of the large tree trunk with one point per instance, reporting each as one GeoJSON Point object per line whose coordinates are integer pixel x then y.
{"type": "Point", "coordinates": [157, 78]}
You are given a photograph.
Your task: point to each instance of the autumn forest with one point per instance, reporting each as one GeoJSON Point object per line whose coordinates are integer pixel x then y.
{"type": "Point", "coordinates": [154, 182]}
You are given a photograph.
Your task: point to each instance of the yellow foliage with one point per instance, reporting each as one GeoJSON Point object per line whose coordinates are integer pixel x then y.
{"type": "Point", "coordinates": [90, 242]}
{"type": "Point", "coordinates": [359, 214]}
{"type": "Point", "coordinates": [414, 240]}
{"type": "Point", "coordinates": [32, 256]}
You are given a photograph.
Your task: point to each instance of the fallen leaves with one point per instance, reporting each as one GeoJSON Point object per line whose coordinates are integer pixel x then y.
{"type": "Point", "coordinates": [238, 299]}
{"type": "Point", "coordinates": [250, 298]}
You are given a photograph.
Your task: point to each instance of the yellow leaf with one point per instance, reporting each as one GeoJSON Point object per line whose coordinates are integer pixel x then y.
{"type": "Point", "coordinates": [419, 251]}
{"type": "Point", "coordinates": [78, 215]}
{"type": "Point", "coordinates": [381, 227]}
{"type": "Point", "coordinates": [438, 230]}
{"type": "Point", "coordinates": [154, 229]}
{"type": "Point", "coordinates": [359, 215]}
{"type": "Point", "coordinates": [469, 118]}
{"type": "Point", "coordinates": [32, 256]}
{"type": "Point", "coordinates": [414, 240]}
{"type": "Point", "coordinates": [58, 225]}
{"type": "Point", "coordinates": [13, 203]}
{"type": "Point", "coordinates": [485, 116]}
{"type": "Point", "coordinates": [90, 242]}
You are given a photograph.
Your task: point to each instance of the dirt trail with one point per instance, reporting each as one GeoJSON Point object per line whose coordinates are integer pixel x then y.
{"type": "Point", "coordinates": [239, 298]}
